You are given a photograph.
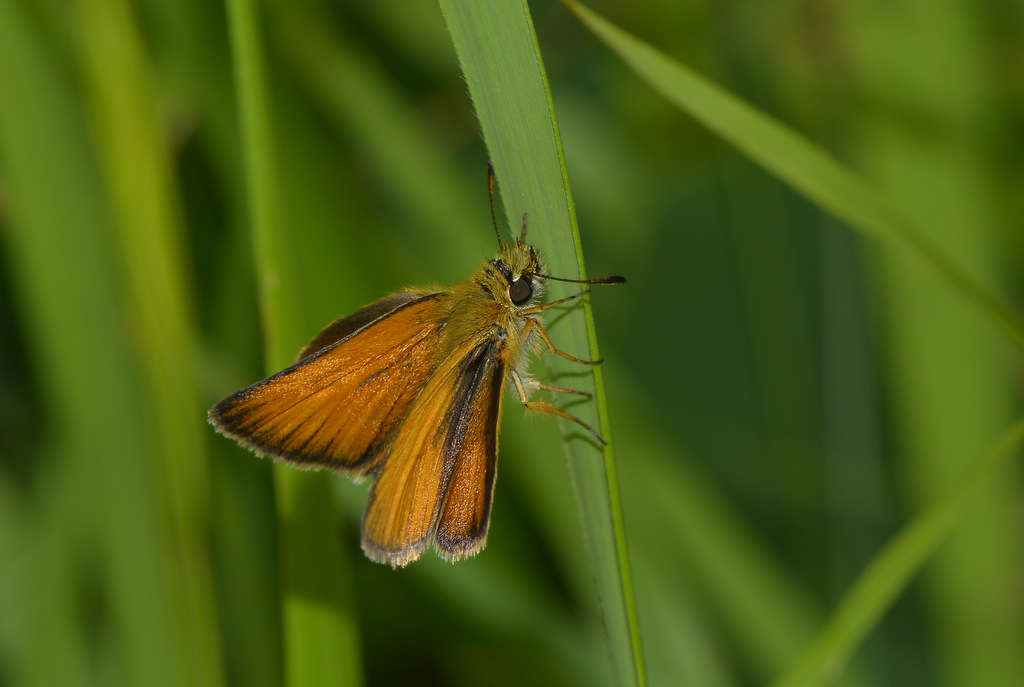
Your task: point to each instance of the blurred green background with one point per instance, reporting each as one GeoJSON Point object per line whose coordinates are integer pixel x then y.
{"type": "Point", "coordinates": [784, 394]}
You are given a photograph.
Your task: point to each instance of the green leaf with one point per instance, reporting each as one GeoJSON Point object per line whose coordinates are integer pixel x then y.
{"type": "Point", "coordinates": [498, 51]}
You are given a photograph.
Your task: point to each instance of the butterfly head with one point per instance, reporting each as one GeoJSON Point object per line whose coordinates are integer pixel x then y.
{"type": "Point", "coordinates": [517, 274]}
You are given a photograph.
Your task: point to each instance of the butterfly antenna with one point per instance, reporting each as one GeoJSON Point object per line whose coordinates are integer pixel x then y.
{"type": "Point", "coordinates": [522, 234]}
{"type": "Point", "coordinates": [599, 280]}
{"type": "Point", "coordinates": [490, 194]}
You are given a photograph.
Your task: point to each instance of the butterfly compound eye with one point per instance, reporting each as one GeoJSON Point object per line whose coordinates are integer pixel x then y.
{"type": "Point", "coordinates": [520, 291]}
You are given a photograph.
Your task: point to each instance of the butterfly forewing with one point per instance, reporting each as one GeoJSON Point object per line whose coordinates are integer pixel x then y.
{"type": "Point", "coordinates": [336, 408]}
{"type": "Point", "coordinates": [344, 327]}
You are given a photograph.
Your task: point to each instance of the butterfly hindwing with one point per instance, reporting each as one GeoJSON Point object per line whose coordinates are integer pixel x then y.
{"type": "Point", "coordinates": [465, 516]}
{"type": "Point", "coordinates": [448, 441]}
{"type": "Point", "coordinates": [336, 407]}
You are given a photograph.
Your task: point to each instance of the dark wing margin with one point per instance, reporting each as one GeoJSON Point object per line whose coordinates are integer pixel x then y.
{"type": "Point", "coordinates": [471, 448]}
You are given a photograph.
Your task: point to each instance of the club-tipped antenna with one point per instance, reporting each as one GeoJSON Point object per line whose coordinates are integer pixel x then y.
{"type": "Point", "coordinates": [599, 280]}
{"type": "Point", "coordinates": [490, 195]}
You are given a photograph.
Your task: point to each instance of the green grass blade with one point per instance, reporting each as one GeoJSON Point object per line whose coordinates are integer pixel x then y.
{"type": "Point", "coordinates": [280, 309]}
{"type": "Point", "coordinates": [498, 52]}
{"type": "Point", "coordinates": [321, 634]}
{"type": "Point", "coordinates": [796, 161]}
{"type": "Point", "coordinates": [135, 156]}
{"type": "Point", "coordinates": [891, 570]}
{"type": "Point", "coordinates": [365, 105]}
{"type": "Point", "coordinates": [938, 351]}
{"type": "Point", "coordinates": [100, 493]}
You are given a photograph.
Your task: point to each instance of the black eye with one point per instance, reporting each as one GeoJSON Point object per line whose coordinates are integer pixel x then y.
{"type": "Point", "coordinates": [520, 291]}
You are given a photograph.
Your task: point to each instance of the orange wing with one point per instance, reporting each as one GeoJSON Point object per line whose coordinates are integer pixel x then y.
{"type": "Point", "coordinates": [337, 406]}
{"type": "Point", "coordinates": [438, 476]}
{"type": "Point", "coordinates": [462, 527]}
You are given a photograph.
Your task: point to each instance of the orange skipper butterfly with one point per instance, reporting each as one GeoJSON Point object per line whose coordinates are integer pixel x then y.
{"type": "Point", "coordinates": [407, 392]}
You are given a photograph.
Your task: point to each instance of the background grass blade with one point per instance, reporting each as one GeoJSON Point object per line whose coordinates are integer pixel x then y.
{"type": "Point", "coordinates": [797, 161]}
{"type": "Point", "coordinates": [885, 579]}
{"type": "Point", "coordinates": [320, 631]}
{"type": "Point", "coordinates": [136, 159]}
{"type": "Point", "coordinates": [102, 504]}
{"type": "Point", "coordinates": [941, 349]}
{"type": "Point", "coordinates": [812, 172]}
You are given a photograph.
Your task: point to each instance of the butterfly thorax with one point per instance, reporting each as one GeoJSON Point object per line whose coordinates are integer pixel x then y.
{"type": "Point", "coordinates": [489, 308]}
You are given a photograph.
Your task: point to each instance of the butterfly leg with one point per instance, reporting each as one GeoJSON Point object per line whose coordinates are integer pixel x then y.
{"type": "Point", "coordinates": [532, 324]}
{"type": "Point", "coordinates": [543, 407]}
{"type": "Point", "coordinates": [533, 310]}
{"type": "Point", "coordinates": [562, 390]}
